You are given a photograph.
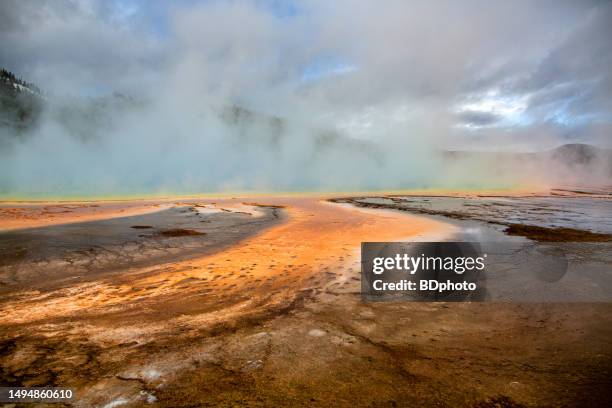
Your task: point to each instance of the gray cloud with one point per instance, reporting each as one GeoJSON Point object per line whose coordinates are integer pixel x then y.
{"type": "Point", "coordinates": [76, 46]}
{"type": "Point", "coordinates": [573, 77]}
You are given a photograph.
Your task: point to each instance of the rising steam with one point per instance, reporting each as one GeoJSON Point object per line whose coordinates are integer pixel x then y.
{"type": "Point", "coordinates": [255, 96]}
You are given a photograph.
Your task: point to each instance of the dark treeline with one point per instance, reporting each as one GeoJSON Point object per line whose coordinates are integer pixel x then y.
{"type": "Point", "coordinates": [8, 76]}
{"type": "Point", "coordinates": [19, 109]}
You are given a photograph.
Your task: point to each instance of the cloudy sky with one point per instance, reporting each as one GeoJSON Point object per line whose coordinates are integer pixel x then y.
{"type": "Point", "coordinates": [518, 74]}
{"type": "Point", "coordinates": [406, 78]}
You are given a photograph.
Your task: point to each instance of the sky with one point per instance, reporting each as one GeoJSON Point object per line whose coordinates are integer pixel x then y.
{"type": "Point", "coordinates": [475, 75]}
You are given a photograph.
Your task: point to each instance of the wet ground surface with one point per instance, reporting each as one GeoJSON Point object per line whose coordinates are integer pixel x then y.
{"type": "Point", "coordinates": [44, 256]}
{"type": "Point", "coordinates": [276, 319]}
{"type": "Point", "coordinates": [520, 269]}
{"type": "Point", "coordinates": [584, 213]}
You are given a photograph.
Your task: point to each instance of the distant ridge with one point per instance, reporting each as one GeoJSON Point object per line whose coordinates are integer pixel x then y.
{"type": "Point", "coordinates": [577, 164]}
{"type": "Point", "coordinates": [579, 153]}
{"type": "Point", "coordinates": [570, 153]}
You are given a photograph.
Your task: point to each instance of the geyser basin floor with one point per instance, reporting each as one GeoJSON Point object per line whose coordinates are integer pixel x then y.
{"type": "Point", "coordinates": [275, 319]}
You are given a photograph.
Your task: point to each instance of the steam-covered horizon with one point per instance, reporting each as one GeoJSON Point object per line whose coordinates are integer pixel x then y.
{"type": "Point", "coordinates": [339, 95]}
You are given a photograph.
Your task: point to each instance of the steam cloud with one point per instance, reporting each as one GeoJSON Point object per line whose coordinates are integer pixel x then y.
{"type": "Point", "coordinates": [317, 95]}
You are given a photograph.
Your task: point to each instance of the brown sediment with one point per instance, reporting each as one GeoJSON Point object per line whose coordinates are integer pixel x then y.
{"type": "Point", "coordinates": [501, 401]}
{"type": "Point", "coordinates": [15, 255]}
{"type": "Point", "coordinates": [180, 232]}
{"type": "Point", "coordinates": [560, 234]}
{"type": "Point", "coordinates": [265, 205]}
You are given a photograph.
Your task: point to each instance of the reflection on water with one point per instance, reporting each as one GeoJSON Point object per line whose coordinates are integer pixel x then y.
{"type": "Point", "coordinates": [519, 269]}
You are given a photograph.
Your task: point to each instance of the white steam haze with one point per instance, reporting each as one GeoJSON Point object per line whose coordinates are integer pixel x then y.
{"type": "Point", "coordinates": [326, 95]}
